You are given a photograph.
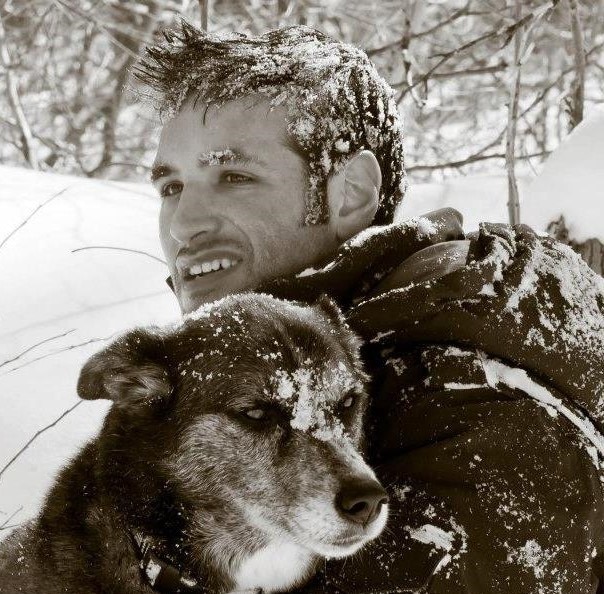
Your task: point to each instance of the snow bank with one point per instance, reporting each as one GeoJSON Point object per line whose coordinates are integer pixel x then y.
{"type": "Point", "coordinates": [479, 198]}
{"type": "Point", "coordinates": [48, 290]}
{"type": "Point", "coordinates": [571, 183]}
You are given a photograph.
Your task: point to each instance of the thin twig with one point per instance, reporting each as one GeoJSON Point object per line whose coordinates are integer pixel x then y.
{"type": "Point", "coordinates": [61, 4]}
{"type": "Point", "coordinates": [36, 435]}
{"type": "Point", "coordinates": [399, 42]}
{"type": "Point", "coordinates": [4, 525]}
{"type": "Point", "coordinates": [471, 71]}
{"type": "Point", "coordinates": [110, 247]}
{"type": "Point", "coordinates": [540, 96]}
{"type": "Point", "coordinates": [29, 217]}
{"type": "Point", "coordinates": [469, 160]}
{"type": "Point", "coordinates": [458, 73]}
{"type": "Point", "coordinates": [57, 352]}
{"type": "Point", "coordinates": [15, 101]}
{"type": "Point", "coordinates": [31, 348]}
{"type": "Point", "coordinates": [508, 31]}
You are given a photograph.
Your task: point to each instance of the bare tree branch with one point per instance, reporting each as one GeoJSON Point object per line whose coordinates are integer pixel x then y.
{"type": "Point", "coordinates": [110, 247]}
{"type": "Point", "coordinates": [31, 348]}
{"type": "Point", "coordinates": [475, 158]}
{"type": "Point", "coordinates": [29, 217]}
{"type": "Point", "coordinates": [15, 101]}
{"type": "Point", "coordinates": [5, 525]}
{"type": "Point", "coordinates": [62, 4]}
{"type": "Point", "coordinates": [508, 32]}
{"type": "Point", "coordinates": [510, 161]}
{"type": "Point", "coordinates": [399, 42]}
{"type": "Point", "coordinates": [57, 352]}
{"type": "Point", "coordinates": [578, 95]}
{"type": "Point", "coordinates": [204, 7]}
{"type": "Point", "coordinates": [36, 435]}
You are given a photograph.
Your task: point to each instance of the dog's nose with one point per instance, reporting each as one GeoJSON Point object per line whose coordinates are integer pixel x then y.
{"type": "Point", "coordinates": [361, 501]}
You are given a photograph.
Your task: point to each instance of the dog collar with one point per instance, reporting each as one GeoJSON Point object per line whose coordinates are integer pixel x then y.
{"type": "Point", "coordinates": [160, 575]}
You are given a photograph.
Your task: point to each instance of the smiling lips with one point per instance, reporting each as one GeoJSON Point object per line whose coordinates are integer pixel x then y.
{"type": "Point", "coordinates": [210, 266]}
{"type": "Point", "coordinates": [197, 266]}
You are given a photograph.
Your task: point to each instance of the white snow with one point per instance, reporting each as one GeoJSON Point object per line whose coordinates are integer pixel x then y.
{"type": "Point", "coordinates": [532, 556]}
{"type": "Point", "coordinates": [462, 386]}
{"type": "Point", "coordinates": [425, 227]}
{"type": "Point", "coordinates": [216, 157]}
{"type": "Point", "coordinates": [312, 405]}
{"type": "Point", "coordinates": [50, 291]}
{"type": "Point", "coordinates": [571, 183]}
{"type": "Point", "coordinates": [152, 570]}
{"type": "Point", "coordinates": [497, 373]}
{"type": "Point", "coordinates": [430, 534]}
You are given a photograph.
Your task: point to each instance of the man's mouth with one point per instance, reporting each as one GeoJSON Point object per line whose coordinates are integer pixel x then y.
{"type": "Point", "coordinates": [207, 267]}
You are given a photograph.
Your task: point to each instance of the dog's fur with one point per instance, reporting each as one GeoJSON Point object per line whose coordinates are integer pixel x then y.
{"type": "Point", "coordinates": [237, 501]}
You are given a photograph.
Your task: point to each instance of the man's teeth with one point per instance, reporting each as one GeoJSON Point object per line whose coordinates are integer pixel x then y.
{"type": "Point", "coordinates": [210, 266]}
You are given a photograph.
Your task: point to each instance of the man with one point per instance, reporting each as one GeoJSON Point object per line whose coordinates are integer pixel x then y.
{"type": "Point", "coordinates": [280, 166]}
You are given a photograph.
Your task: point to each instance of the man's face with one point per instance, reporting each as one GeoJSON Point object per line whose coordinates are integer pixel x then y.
{"type": "Point", "coordinates": [233, 201]}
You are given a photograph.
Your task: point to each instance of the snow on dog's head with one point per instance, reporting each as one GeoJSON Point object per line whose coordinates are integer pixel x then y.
{"type": "Point", "coordinates": [250, 414]}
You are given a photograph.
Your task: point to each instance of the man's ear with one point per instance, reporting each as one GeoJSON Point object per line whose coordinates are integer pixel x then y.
{"type": "Point", "coordinates": [353, 193]}
{"type": "Point", "coordinates": [129, 371]}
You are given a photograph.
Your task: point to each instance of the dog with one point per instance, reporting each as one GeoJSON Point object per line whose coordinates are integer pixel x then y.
{"type": "Point", "coordinates": [231, 459]}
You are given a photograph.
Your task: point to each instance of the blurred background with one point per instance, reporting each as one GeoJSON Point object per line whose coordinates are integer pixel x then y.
{"type": "Point", "coordinates": [65, 64]}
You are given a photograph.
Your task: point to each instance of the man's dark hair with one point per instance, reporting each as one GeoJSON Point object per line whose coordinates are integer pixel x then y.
{"type": "Point", "coordinates": [337, 103]}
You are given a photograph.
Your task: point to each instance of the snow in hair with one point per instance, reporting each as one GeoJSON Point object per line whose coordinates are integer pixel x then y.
{"type": "Point", "coordinates": [336, 102]}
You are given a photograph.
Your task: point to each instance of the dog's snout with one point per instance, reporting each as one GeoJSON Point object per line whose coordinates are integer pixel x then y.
{"type": "Point", "coordinates": [361, 501]}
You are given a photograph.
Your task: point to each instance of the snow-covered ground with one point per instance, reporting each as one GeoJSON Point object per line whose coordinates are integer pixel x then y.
{"type": "Point", "coordinates": [73, 300]}
{"type": "Point", "coordinates": [59, 302]}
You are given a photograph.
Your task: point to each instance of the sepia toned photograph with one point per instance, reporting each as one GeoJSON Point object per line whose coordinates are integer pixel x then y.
{"type": "Point", "coordinates": [302, 296]}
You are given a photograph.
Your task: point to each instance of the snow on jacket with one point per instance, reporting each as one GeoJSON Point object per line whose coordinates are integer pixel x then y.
{"type": "Point", "coordinates": [487, 410]}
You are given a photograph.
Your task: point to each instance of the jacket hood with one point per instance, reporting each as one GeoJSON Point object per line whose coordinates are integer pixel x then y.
{"type": "Point", "coordinates": [521, 297]}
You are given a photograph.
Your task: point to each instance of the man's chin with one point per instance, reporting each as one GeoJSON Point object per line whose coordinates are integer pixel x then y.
{"type": "Point", "coordinates": [190, 300]}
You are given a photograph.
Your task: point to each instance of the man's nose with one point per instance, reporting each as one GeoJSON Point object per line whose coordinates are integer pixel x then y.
{"type": "Point", "coordinates": [195, 213]}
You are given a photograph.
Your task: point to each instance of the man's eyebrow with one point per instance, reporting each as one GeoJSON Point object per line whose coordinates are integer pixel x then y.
{"type": "Point", "coordinates": [228, 156]}
{"type": "Point", "coordinates": [160, 170]}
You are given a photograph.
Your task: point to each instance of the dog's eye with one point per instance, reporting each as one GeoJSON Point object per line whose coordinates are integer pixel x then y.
{"type": "Point", "coordinates": [348, 402]}
{"type": "Point", "coordinates": [255, 413]}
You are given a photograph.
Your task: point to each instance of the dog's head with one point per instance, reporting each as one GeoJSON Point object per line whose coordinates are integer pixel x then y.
{"type": "Point", "coordinates": [250, 413]}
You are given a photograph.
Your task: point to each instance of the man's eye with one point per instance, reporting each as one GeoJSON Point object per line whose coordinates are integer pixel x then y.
{"type": "Point", "coordinates": [236, 178]}
{"type": "Point", "coordinates": [171, 189]}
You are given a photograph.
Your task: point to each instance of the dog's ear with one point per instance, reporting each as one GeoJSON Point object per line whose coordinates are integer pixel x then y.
{"type": "Point", "coordinates": [129, 371]}
{"type": "Point", "coordinates": [330, 309]}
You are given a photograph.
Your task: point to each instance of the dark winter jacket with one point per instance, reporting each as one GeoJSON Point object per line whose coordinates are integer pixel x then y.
{"type": "Point", "coordinates": [487, 410]}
